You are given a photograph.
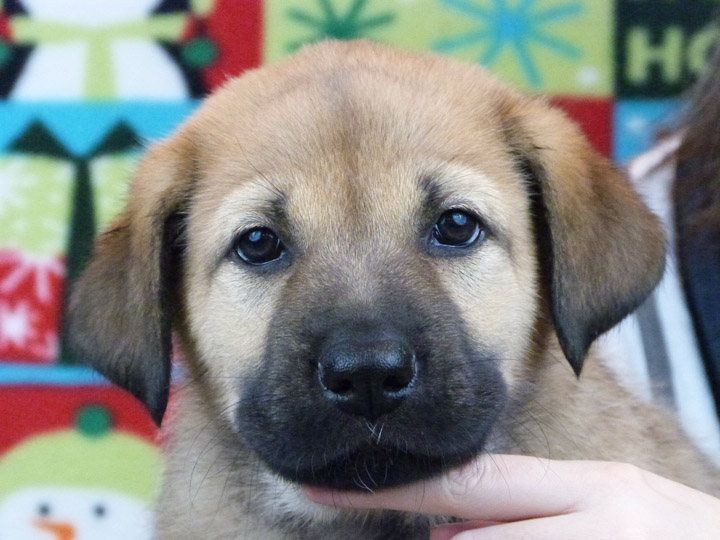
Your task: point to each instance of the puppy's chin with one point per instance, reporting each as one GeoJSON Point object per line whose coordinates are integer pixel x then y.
{"type": "Point", "coordinates": [286, 503]}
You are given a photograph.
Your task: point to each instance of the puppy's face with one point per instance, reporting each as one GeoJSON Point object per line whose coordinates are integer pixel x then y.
{"type": "Point", "coordinates": [361, 272]}
{"type": "Point", "coordinates": [356, 295]}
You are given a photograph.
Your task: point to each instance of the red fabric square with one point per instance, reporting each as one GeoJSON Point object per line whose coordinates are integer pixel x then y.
{"type": "Point", "coordinates": [236, 29]}
{"type": "Point", "coordinates": [595, 117]}
{"type": "Point", "coordinates": [31, 292]}
{"type": "Point", "coordinates": [4, 27]}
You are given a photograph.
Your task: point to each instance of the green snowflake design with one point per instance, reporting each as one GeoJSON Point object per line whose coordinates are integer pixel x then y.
{"type": "Point", "coordinates": [34, 204]}
{"type": "Point", "coordinates": [334, 24]}
{"type": "Point", "coordinates": [519, 25]}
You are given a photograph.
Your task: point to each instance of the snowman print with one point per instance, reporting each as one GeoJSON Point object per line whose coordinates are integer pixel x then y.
{"type": "Point", "coordinates": [87, 49]}
{"type": "Point", "coordinates": [56, 513]}
{"type": "Point", "coordinates": [89, 482]}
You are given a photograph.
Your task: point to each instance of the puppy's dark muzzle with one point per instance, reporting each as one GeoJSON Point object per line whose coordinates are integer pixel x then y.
{"type": "Point", "coordinates": [366, 375]}
{"type": "Point", "coordinates": [351, 397]}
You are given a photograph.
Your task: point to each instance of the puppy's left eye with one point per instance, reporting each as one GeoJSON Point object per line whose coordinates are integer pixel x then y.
{"type": "Point", "coordinates": [259, 246]}
{"type": "Point", "coordinates": [457, 228]}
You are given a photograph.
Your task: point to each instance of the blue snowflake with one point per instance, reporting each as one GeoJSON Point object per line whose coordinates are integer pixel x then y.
{"type": "Point", "coordinates": [515, 24]}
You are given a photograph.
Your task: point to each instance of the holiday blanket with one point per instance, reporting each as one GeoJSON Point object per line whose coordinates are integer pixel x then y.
{"type": "Point", "coordinates": [85, 84]}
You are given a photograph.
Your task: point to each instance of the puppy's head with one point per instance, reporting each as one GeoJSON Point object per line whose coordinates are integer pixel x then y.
{"type": "Point", "coordinates": [357, 247]}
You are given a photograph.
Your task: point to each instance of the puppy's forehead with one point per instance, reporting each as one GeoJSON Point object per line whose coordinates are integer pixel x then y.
{"type": "Point", "coordinates": [347, 147]}
{"type": "Point", "coordinates": [344, 102]}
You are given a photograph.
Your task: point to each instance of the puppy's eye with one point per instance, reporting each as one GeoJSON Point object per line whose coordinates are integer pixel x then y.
{"type": "Point", "coordinates": [259, 246]}
{"type": "Point", "coordinates": [458, 229]}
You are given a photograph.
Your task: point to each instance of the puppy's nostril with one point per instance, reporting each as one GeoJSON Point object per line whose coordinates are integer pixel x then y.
{"type": "Point", "coordinates": [398, 382]}
{"type": "Point", "coordinates": [335, 379]}
{"type": "Point", "coordinates": [338, 386]}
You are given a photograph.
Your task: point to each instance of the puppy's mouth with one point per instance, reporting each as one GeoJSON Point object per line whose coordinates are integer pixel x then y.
{"type": "Point", "coordinates": [372, 467]}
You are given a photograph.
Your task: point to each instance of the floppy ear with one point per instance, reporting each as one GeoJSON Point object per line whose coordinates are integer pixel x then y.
{"type": "Point", "coordinates": [600, 249]}
{"type": "Point", "coordinates": [120, 309]}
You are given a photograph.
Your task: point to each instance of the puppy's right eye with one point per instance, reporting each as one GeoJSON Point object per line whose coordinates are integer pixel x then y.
{"type": "Point", "coordinates": [457, 229]}
{"type": "Point", "coordinates": [258, 246]}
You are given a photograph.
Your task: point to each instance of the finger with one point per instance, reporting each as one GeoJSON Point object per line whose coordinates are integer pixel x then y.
{"type": "Point", "coordinates": [566, 527]}
{"type": "Point", "coordinates": [449, 531]}
{"type": "Point", "coordinates": [492, 488]}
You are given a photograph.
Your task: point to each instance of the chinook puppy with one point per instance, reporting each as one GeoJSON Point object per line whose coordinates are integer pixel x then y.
{"type": "Point", "coordinates": [379, 264]}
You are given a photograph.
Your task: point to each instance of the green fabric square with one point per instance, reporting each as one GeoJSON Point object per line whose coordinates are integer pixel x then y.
{"type": "Point", "coordinates": [550, 46]}
{"type": "Point", "coordinates": [35, 203]}
{"type": "Point", "coordinates": [110, 176]}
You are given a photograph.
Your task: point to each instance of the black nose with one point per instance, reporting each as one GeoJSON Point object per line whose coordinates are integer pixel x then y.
{"type": "Point", "coordinates": [368, 378]}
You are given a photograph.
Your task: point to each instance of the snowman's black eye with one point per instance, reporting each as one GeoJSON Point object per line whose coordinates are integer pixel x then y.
{"type": "Point", "coordinates": [99, 511]}
{"type": "Point", "coordinates": [44, 509]}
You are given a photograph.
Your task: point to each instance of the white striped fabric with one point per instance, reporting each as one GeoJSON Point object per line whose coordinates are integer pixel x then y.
{"type": "Point", "coordinates": [655, 350]}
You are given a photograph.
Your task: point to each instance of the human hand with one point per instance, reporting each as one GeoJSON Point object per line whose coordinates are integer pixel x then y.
{"type": "Point", "coordinates": [519, 497]}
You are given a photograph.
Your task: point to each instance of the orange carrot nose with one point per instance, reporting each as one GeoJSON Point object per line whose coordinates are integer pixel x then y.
{"type": "Point", "coordinates": [62, 531]}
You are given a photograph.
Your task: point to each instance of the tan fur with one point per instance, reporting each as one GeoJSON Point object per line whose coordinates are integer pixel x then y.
{"type": "Point", "coordinates": [344, 131]}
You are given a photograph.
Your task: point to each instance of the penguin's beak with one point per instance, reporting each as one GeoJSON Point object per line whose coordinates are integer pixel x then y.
{"type": "Point", "coordinates": [62, 531]}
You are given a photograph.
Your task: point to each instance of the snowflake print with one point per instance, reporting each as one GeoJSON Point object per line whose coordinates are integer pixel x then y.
{"type": "Point", "coordinates": [30, 300]}
{"type": "Point", "coordinates": [34, 203]}
{"type": "Point", "coordinates": [353, 23]}
{"type": "Point", "coordinates": [23, 270]}
{"type": "Point", "coordinates": [16, 324]}
{"type": "Point", "coordinates": [518, 26]}
{"type": "Point", "coordinates": [23, 336]}
{"type": "Point", "coordinates": [45, 347]}
{"type": "Point", "coordinates": [10, 196]}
